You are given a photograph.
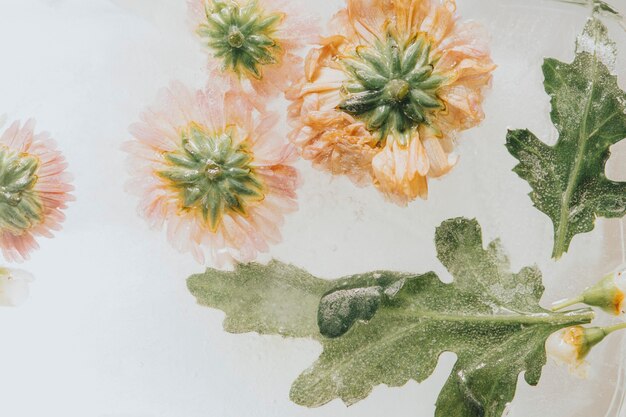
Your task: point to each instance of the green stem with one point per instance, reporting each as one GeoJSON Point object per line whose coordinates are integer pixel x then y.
{"type": "Point", "coordinates": [567, 303]}
{"type": "Point", "coordinates": [611, 329]}
{"type": "Point", "coordinates": [580, 2]}
{"type": "Point", "coordinates": [599, 7]}
{"type": "Point", "coordinates": [568, 318]}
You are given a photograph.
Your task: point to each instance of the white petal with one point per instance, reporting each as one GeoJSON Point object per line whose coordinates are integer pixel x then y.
{"type": "Point", "coordinates": [14, 286]}
{"type": "Point", "coordinates": [620, 280]}
{"type": "Point", "coordinates": [560, 350]}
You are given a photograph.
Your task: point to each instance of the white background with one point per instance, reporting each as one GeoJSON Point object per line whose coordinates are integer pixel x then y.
{"type": "Point", "coordinates": [110, 329]}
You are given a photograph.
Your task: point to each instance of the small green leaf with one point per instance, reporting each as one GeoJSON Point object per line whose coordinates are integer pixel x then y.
{"type": "Point", "coordinates": [388, 327]}
{"type": "Point", "coordinates": [601, 6]}
{"type": "Point", "coordinates": [588, 109]}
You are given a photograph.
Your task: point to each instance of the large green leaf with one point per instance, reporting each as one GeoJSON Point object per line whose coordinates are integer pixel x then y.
{"type": "Point", "coordinates": [388, 327]}
{"type": "Point", "coordinates": [568, 179]}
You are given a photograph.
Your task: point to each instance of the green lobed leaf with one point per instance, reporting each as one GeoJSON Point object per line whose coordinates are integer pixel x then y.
{"type": "Point", "coordinates": [268, 299]}
{"type": "Point", "coordinates": [588, 109]}
{"type": "Point", "coordinates": [388, 327]}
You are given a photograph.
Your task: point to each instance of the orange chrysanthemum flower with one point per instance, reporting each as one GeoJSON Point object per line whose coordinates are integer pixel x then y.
{"type": "Point", "coordinates": [383, 97]}
{"type": "Point", "coordinates": [206, 165]}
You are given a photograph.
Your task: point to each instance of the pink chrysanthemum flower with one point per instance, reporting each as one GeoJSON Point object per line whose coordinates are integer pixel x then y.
{"type": "Point", "coordinates": [207, 165]}
{"type": "Point", "coordinates": [252, 42]}
{"type": "Point", "coordinates": [383, 97]}
{"type": "Point", "coordinates": [33, 189]}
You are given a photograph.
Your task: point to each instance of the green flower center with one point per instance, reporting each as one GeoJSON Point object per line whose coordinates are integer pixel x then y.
{"type": "Point", "coordinates": [241, 36]}
{"type": "Point", "coordinates": [236, 39]}
{"type": "Point", "coordinates": [20, 206]}
{"type": "Point", "coordinates": [391, 86]}
{"type": "Point", "coordinates": [212, 174]}
{"type": "Point", "coordinates": [398, 90]}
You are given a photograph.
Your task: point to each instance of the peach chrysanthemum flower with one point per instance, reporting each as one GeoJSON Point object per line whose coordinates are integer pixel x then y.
{"type": "Point", "coordinates": [34, 189]}
{"type": "Point", "coordinates": [253, 42]}
{"type": "Point", "coordinates": [207, 165]}
{"type": "Point", "coordinates": [383, 97]}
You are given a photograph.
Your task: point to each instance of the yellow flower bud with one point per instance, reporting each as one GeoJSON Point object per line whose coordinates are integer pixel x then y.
{"type": "Point", "coordinates": [608, 294]}
{"type": "Point", "coordinates": [571, 345]}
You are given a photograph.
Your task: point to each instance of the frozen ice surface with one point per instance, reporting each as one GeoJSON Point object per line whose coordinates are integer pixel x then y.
{"type": "Point", "coordinates": [110, 331]}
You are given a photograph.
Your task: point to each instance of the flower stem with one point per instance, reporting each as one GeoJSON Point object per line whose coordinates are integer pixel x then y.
{"type": "Point", "coordinates": [611, 329]}
{"type": "Point", "coordinates": [599, 7]}
{"type": "Point", "coordinates": [582, 2]}
{"type": "Point", "coordinates": [566, 303]}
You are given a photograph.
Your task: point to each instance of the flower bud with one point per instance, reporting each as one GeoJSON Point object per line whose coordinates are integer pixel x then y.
{"type": "Point", "coordinates": [608, 294]}
{"type": "Point", "coordinates": [571, 345]}
{"type": "Point", "coordinates": [14, 286]}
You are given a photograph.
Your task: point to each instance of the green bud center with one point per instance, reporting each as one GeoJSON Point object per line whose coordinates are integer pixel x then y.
{"type": "Point", "coordinates": [243, 37]}
{"type": "Point", "coordinates": [20, 205]}
{"type": "Point", "coordinates": [212, 170]}
{"type": "Point", "coordinates": [235, 37]}
{"type": "Point", "coordinates": [391, 86]}
{"type": "Point", "coordinates": [398, 89]}
{"type": "Point", "coordinates": [212, 174]}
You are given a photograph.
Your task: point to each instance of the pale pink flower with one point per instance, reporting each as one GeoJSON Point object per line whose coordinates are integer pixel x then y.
{"type": "Point", "coordinates": [207, 165]}
{"type": "Point", "coordinates": [253, 43]}
{"type": "Point", "coordinates": [34, 189]}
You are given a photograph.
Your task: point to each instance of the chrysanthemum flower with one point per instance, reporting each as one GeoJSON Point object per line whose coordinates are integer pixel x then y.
{"type": "Point", "coordinates": [383, 97]}
{"type": "Point", "coordinates": [207, 165]}
{"type": "Point", "coordinates": [33, 189]}
{"type": "Point", "coordinates": [14, 286]}
{"type": "Point", "coordinates": [252, 42]}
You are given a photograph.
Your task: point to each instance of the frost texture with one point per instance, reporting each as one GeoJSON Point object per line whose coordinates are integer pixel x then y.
{"type": "Point", "coordinates": [268, 299]}
{"type": "Point", "coordinates": [568, 179]}
{"type": "Point", "coordinates": [595, 41]}
{"type": "Point", "coordinates": [388, 328]}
